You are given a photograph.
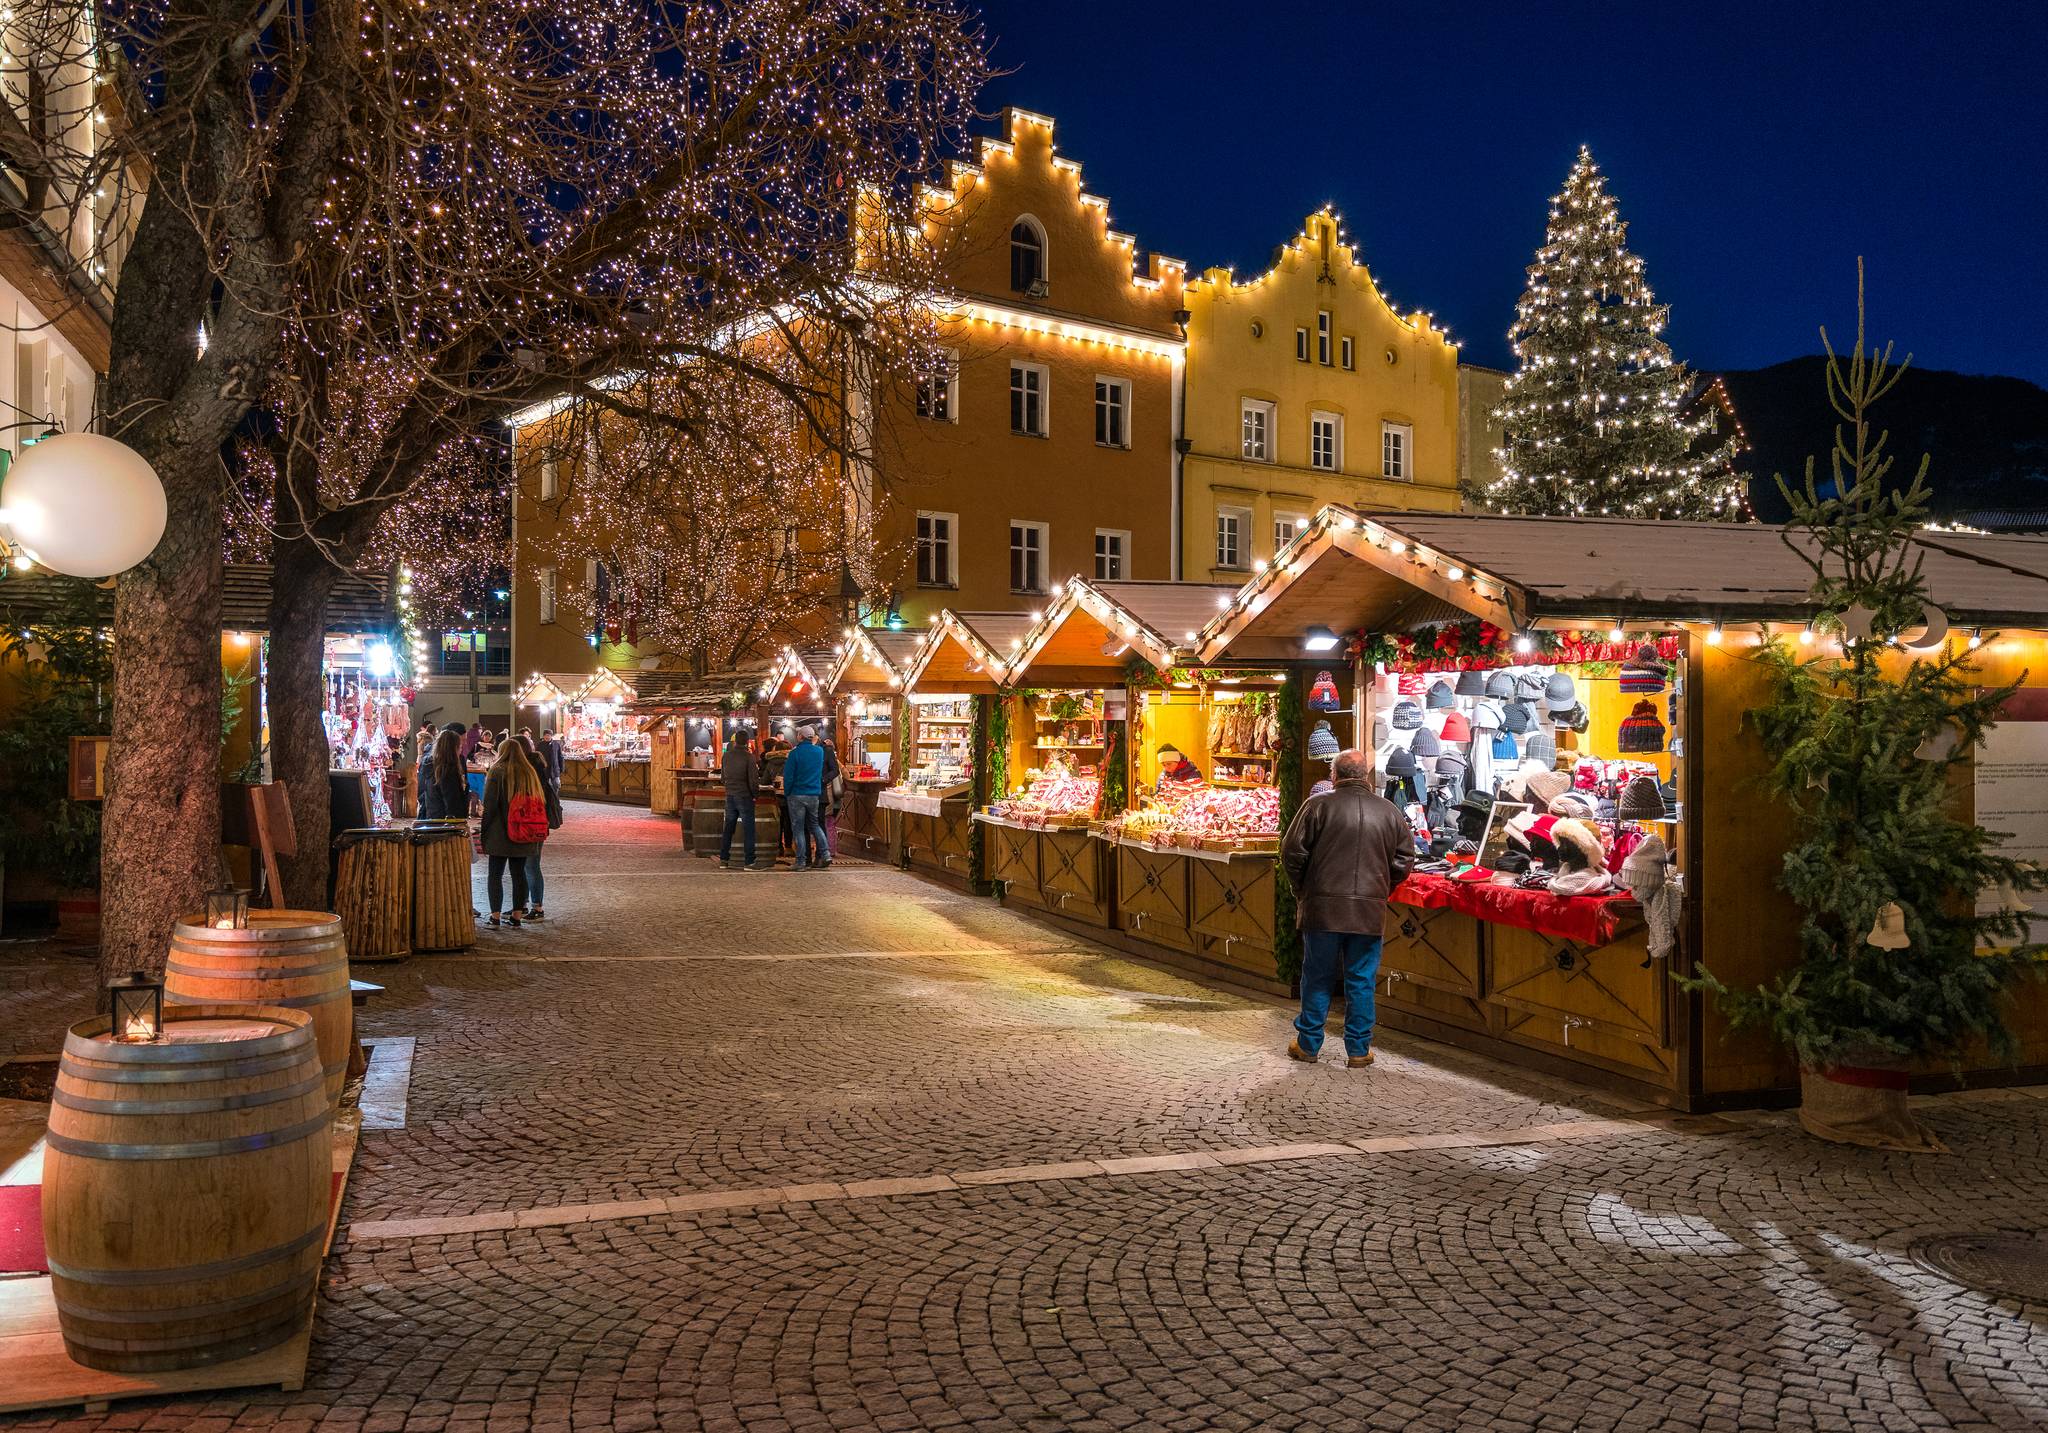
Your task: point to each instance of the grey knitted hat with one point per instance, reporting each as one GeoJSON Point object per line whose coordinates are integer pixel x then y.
{"type": "Point", "coordinates": [1407, 716]}
{"type": "Point", "coordinates": [1322, 741]}
{"type": "Point", "coordinates": [1517, 718]}
{"type": "Point", "coordinates": [1471, 683]}
{"type": "Point", "coordinates": [1439, 695]}
{"type": "Point", "coordinates": [1501, 686]}
{"type": "Point", "coordinates": [1540, 747]}
{"type": "Point", "coordinates": [1426, 743]}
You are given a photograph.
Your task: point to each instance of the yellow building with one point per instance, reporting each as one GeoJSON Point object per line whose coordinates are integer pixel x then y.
{"type": "Point", "coordinates": [1305, 388]}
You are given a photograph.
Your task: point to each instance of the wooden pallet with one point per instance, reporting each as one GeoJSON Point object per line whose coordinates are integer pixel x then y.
{"type": "Point", "coordinates": [35, 1372]}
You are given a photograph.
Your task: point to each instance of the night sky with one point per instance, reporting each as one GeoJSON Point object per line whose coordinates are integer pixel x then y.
{"type": "Point", "coordinates": [1756, 150]}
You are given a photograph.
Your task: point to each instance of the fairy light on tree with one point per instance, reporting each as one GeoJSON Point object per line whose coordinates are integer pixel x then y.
{"type": "Point", "coordinates": [1595, 413]}
{"type": "Point", "coordinates": [399, 223]}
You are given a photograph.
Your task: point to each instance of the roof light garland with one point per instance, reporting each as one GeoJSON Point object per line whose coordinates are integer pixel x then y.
{"type": "Point", "coordinates": [1595, 410]}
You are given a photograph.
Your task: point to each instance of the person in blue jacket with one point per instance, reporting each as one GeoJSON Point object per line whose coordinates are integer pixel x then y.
{"type": "Point", "coordinates": [803, 784]}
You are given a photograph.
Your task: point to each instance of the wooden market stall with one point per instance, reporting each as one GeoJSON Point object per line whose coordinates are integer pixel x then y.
{"type": "Point", "coordinates": [866, 685]}
{"type": "Point", "coordinates": [1595, 652]}
{"type": "Point", "coordinates": [951, 689]}
{"type": "Point", "coordinates": [688, 720]}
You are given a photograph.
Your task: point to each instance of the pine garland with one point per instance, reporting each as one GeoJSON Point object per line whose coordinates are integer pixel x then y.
{"type": "Point", "coordinates": [1287, 759]}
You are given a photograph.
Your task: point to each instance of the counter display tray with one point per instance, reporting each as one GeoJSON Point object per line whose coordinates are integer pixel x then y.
{"type": "Point", "coordinates": [920, 803]}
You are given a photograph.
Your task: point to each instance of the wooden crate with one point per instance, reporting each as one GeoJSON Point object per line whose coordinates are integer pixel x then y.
{"type": "Point", "coordinates": [1152, 889]}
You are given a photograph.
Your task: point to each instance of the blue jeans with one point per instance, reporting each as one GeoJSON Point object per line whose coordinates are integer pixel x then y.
{"type": "Point", "coordinates": [1328, 958]}
{"type": "Point", "coordinates": [807, 831]}
{"type": "Point", "coordinates": [534, 884]}
{"type": "Point", "coordinates": [739, 810]}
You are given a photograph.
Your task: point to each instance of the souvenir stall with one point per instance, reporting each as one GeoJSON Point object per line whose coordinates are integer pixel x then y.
{"type": "Point", "coordinates": [866, 683]}
{"type": "Point", "coordinates": [1563, 724]}
{"type": "Point", "coordinates": [367, 716]}
{"type": "Point", "coordinates": [686, 720]}
{"type": "Point", "coordinates": [604, 752]}
{"type": "Point", "coordinates": [951, 704]}
{"type": "Point", "coordinates": [794, 694]}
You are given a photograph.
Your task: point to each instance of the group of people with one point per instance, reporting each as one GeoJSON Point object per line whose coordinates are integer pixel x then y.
{"type": "Point", "coordinates": [805, 775]}
{"type": "Point", "coordinates": [521, 804]}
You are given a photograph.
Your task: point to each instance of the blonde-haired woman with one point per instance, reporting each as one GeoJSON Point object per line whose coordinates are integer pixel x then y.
{"type": "Point", "coordinates": [515, 823]}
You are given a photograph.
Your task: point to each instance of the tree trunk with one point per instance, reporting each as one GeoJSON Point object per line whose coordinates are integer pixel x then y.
{"type": "Point", "coordinates": [160, 851]}
{"type": "Point", "coordinates": [302, 579]}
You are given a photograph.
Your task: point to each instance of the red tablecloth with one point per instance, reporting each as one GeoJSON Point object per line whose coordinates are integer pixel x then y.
{"type": "Point", "coordinates": [1592, 920]}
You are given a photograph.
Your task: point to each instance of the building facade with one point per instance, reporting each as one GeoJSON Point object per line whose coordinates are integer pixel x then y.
{"type": "Point", "coordinates": [1480, 435]}
{"type": "Point", "coordinates": [1304, 388]}
{"type": "Point", "coordinates": [1045, 448]}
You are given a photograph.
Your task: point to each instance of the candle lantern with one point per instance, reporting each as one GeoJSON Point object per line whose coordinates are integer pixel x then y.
{"type": "Point", "coordinates": [227, 909]}
{"type": "Point", "coordinates": [135, 1008]}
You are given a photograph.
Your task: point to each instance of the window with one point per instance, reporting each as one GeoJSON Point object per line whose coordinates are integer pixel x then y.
{"type": "Point", "coordinates": [1027, 399]}
{"type": "Point", "coordinates": [1286, 528]}
{"type": "Point", "coordinates": [544, 580]}
{"type": "Point", "coordinates": [1325, 441]}
{"type": "Point", "coordinates": [1258, 431]}
{"type": "Point", "coordinates": [1112, 554]}
{"type": "Point", "coordinates": [937, 557]}
{"type": "Point", "coordinates": [1027, 556]}
{"type": "Point", "coordinates": [1027, 257]}
{"type": "Point", "coordinates": [1397, 450]}
{"type": "Point", "coordinates": [1348, 357]}
{"type": "Point", "coordinates": [1301, 345]}
{"type": "Point", "coordinates": [550, 479]}
{"type": "Point", "coordinates": [938, 392]}
{"type": "Point", "coordinates": [1112, 413]}
{"type": "Point", "coordinates": [1323, 337]}
{"type": "Point", "coordinates": [497, 658]}
{"type": "Point", "coordinates": [1231, 526]}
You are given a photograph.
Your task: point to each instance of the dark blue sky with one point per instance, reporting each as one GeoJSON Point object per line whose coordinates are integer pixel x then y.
{"type": "Point", "coordinates": [1756, 151]}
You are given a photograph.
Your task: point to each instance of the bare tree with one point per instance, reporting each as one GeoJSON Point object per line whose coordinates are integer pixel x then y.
{"type": "Point", "coordinates": [396, 223]}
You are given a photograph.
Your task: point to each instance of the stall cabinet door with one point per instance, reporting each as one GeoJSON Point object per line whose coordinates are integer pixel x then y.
{"type": "Point", "coordinates": [1232, 905]}
{"type": "Point", "coordinates": [1076, 876]}
{"type": "Point", "coordinates": [1609, 1004]}
{"type": "Point", "coordinates": [1152, 896]}
{"type": "Point", "coordinates": [1012, 859]}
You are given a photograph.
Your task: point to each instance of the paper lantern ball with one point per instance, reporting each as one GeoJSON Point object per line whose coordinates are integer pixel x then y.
{"type": "Point", "coordinates": [83, 504]}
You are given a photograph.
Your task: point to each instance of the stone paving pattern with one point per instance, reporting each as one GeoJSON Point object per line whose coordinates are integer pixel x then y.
{"type": "Point", "coordinates": [673, 1030]}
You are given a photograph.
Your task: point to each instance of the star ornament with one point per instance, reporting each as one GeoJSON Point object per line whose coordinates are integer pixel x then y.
{"type": "Point", "coordinates": [1856, 620]}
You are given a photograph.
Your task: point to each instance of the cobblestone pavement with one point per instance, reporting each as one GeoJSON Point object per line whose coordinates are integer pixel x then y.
{"type": "Point", "coordinates": [674, 1034]}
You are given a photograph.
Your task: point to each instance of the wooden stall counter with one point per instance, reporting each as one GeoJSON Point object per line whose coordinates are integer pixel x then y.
{"type": "Point", "coordinates": [932, 831]}
{"type": "Point", "coordinates": [865, 825]}
{"type": "Point", "coordinates": [1060, 869]}
{"type": "Point", "coordinates": [1207, 909]}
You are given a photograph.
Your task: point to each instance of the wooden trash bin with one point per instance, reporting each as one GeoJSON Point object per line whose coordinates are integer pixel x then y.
{"type": "Point", "coordinates": [295, 960]}
{"type": "Point", "coordinates": [373, 882]}
{"type": "Point", "coordinates": [443, 917]}
{"type": "Point", "coordinates": [186, 1186]}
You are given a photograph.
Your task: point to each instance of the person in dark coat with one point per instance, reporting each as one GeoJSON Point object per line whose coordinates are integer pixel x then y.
{"type": "Point", "coordinates": [1344, 853]}
{"type": "Point", "coordinates": [828, 796]}
{"type": "Point", "coordinates": [551, 792]}
{"type": "Point", "coordinates": [511, 776]}
{"type": "Point", "coordinates": [551, 754]}
{"type": "Point", "coordinates": [423, 770]}
{"type": "Point", "coordinates": [445, 789]}
{"type": "Point", "coordinates": [740, 774]}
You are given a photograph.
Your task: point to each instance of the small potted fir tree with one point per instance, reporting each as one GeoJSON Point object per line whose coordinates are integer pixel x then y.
{"type": "Point", "coordinates": [1864, 745]}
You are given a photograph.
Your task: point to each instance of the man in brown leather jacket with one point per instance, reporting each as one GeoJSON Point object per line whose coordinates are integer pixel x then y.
{"type": "Point", "coordinates": [1345, 851]}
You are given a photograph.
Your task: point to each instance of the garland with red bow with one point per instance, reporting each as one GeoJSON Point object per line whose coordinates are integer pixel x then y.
{"type": "Point", "coordinates": [1480, 646]}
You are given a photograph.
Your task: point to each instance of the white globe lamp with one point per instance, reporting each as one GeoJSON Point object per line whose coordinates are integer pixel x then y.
{"type": "Point", "coordinates": [83, 504]}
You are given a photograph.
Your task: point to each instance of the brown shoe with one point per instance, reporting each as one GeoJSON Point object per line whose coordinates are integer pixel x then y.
{"type": "Point", "coordinates": [1359, 1062]}
{"type": "Point", "coordinates": [1295, 1052]}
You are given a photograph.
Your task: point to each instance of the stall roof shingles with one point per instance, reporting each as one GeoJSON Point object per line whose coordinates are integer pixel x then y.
{"type": "Point", "coordinates": [680, 691]}
{"type": "Point", "coordinates": [1606, 567]}
{"type": "Point", "coordinates": [1172, 609]}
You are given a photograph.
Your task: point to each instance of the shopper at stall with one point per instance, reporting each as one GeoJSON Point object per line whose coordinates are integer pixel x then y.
{"type": "Point", "coordinates": [775, 751]}
{"type": "Point", "coordinates": [444, 790]}
{"type": "Point", "coordinates": [803, 780]}
{"type": "Point", "coordinates": [740, 775]}
{"type": "Point", "coordinates": [470, 738]}
{"type": "Point", "coordinates": [536, 883]}
{"type": "Point", "coordinates": [828, 797]}
{"type": "Point", "coordinates": [1344, 853]}
{"type": "Point", "coordinates": [423, 770]}
{"type": "Point", "coordinates": [515, 824]}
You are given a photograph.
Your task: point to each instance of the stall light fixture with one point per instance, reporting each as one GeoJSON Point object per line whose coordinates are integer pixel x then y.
{"type": "Point", "coordinates": [1223, 601]}
{"type": "Point", "coordinates": [1454, 572]}
{"type": "Point", "coordinates": [1397, 547]}
{"type": "Point", "coordinates": [1191, 636]}
{"type": "Point", "coordinates": [1614, 633]}
{"type": "Point", "coordinates": [1714, 635]}
{"type": "Point", "coordinates": [1805, 634]}
{"type": "Point", "coordinates": [1976, 638]}
{"type": "Point", "coordinates": [1318, 639]}
{"type": "Point", "coordinates": [1259, 564]}
{"type": "Point", "coordinates": [1523, 643]}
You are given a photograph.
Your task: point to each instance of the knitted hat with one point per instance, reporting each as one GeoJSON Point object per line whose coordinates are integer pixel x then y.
{"type": "Point", "coordinates": [1572, 805]}
{"type": "Point", "coordinates": [1640, 729]}
{"type": "Point", "coordinates": [1322, 742]}
{"type": "Point", "coordinates": [1669, 793]}
{"type": "Point", "coordinates": [1409, 684]}
{"type": "Point", "coordinates": [1503, 747]}
{"type": "Point", "coordinates": [1407, 716]}
{"type": "Point", "coordinates": [1501, 685]}
{"type": "Point", "coordinates": [1440, 695]}
{"type": "Point", "coordinates": [1322, 695]}
{"type": "Point", "coordinates": [1511, 785]}
{"type": "Point", "coordinates": [1539, 747]}
{"type": "Point", "coordinates": [1528, 687]}
{"type": "Point", "coordinates": [1456, 727]}
{"type": "Point", "coordinates": [1517, 718]}
{"type": "Point", "coordinates": [1644, 870]}
{"type": "Point", "coordinates": [1487, 716]}
{"type": "Point", "coordinates": [1558, 692]}
{"type": "Point", "coordinates": [1381, 732]}
{"type": "Point", "coordinates": [1642, 673]}
{"type": "Point", "coordinates": [1452, 762]}
{"type": "Point", "coordinates": [1544, 787]}
{"type": "Point", "coordinates": [1640, 800]}
{"type": "Point", "coordinates": [1606, 809]}
{"type": "Point", "coordinates": [1471, 683]}
{"type": "Point", "coordinates": [1580, 840]}
{"type": "Point", "coordinates": [1322, 786]}
{"type": "Point", "coordinates": [1424, 743]}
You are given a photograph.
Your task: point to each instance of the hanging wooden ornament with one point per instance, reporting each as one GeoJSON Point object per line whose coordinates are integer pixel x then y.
{"type": "Point", "coordinates": [1889, 932]}
{"type": "Point", "coordinates": [1856, 619]}
{"type": "Point", "coordinates": [1933, 633]}
{"type": "Point", "coordinates": [2011, 901]}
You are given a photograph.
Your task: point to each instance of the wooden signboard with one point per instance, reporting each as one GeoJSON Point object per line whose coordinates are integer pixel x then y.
{"type": "Point", "coordinates": [88, 778]}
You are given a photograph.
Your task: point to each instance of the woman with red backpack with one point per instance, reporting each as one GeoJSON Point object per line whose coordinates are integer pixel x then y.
{"type": "Point", "coordinates": [515, 823]}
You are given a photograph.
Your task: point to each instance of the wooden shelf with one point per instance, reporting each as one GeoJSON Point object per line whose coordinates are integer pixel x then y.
{"type": "Point", "coordinates": [1242, 755]}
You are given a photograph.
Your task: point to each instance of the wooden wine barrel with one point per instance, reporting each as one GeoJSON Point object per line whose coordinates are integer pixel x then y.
{"type": "Point", "coordinates": [186, 1187]}
{"type": "Point", "coordinates": [373, 881]}
{"type": "Point", "coordinates": [443, 917]}
{"type": "Point", "coordinates": [293, 959]}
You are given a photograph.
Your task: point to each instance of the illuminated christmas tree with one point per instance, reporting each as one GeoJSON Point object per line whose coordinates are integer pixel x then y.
{"type": "Point", "coordinates": [1595, 415]}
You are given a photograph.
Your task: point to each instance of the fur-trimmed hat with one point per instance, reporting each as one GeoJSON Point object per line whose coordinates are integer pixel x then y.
{"type": "Point", "coordinates": [1578, 839]}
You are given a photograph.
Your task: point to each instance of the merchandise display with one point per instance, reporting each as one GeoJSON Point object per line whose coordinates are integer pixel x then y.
{"type": "Point", "coordinates": [1052, 799]}
{"type": "Point", "coordinates": [1208, 818]}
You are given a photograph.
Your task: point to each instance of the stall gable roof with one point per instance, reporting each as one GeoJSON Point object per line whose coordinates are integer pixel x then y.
{"type": "Point", "coordinates": [537, 690]}
{"type": "Point", "coordinates": [968, 651]}
{"type": "Point", "coordinates": [1093, 627]}
{"type": "Point", "coordinates": [1343, 570]}
{"type": "Point", "coordinates": [873, 659]}
{"type": "Point", "coordinates": [604, 685]}
{"type": "Point", "coordinates": [679, 692]}
{"type": "Point", "coordinates": [358, 606]}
